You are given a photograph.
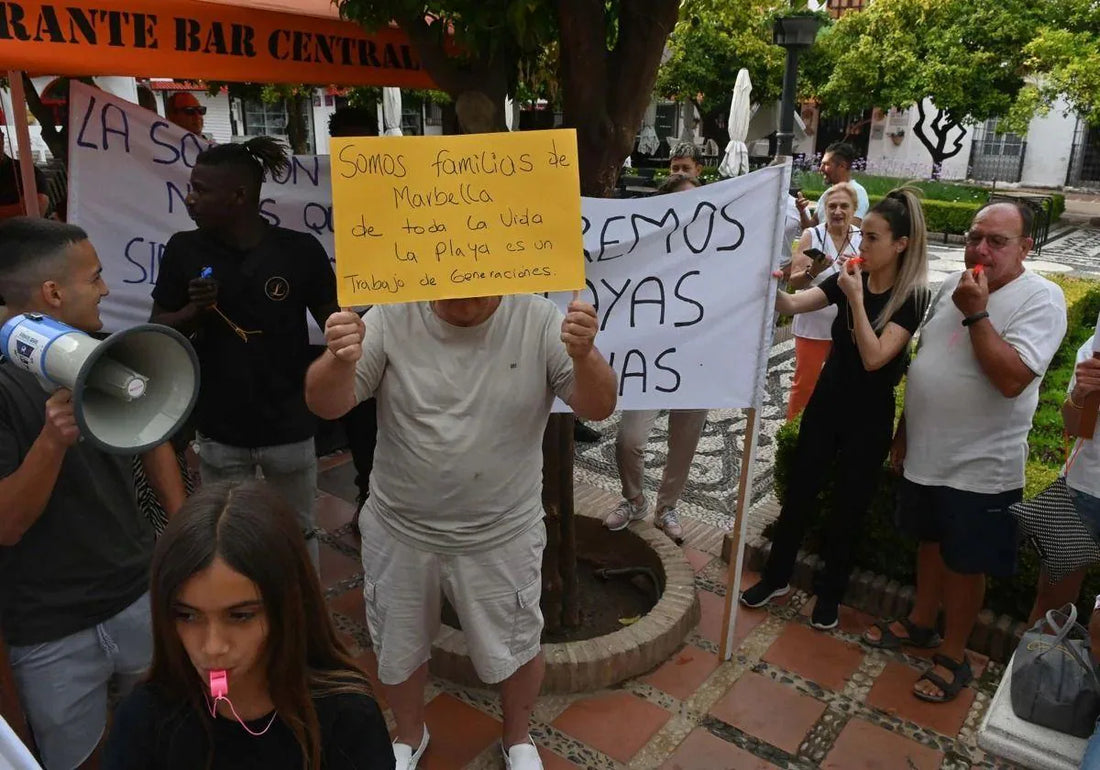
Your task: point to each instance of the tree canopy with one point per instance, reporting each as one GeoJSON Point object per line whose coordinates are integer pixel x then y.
{"type": "Point", "coordinates": [712, 40]}
{"type": "Point", "coordinates": [1065, 57]}
{"type": "Point", "coordinates": [968, 56]}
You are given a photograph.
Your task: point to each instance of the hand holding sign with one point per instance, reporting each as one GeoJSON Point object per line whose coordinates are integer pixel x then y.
{"type": "Point", "coordinates": [344, 332]}
{"type": "Point", "coordinates": [578, 330]}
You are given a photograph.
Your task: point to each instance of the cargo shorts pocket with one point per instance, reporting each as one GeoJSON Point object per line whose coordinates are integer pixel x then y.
{"type": "Point", "coordinates": [527, 617]}
{"type": "Point", "coordinates": [375, 613]}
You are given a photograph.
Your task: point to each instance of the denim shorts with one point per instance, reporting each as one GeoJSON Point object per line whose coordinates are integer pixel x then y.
{"type": "Point", "coordinates": [63, 684]}
{"type": "Point", "coordinates": [977, 533]}
{"type": "Point", "coordinates": [1088, 508]}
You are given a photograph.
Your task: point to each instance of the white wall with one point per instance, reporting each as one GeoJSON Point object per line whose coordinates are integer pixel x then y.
{"type": "Point", "coordinates": [1049, 143]}
{"type": "Point", "coordinates": [910, 158]}
{"type": "Point", "coordinates": [321, 114]}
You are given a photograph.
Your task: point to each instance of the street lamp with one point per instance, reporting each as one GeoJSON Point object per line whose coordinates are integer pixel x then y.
{"type": "Point", "coordinates": [794, 33]}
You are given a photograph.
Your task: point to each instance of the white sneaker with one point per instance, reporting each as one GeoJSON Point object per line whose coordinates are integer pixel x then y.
{"type": "Point", "coordinates": [406, 757]}
{"type": "Point", "coordinates": [522, 756]}
{"type": "Point", "coordinates": [669, 523]}
{"type": "Point", "coordinates": [624, 513]}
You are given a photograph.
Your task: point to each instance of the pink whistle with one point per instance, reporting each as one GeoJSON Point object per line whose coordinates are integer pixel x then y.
{"type": "Point", "coordinates": [219, 684]}
{"type": "Point", "coordinates": [977, 270]}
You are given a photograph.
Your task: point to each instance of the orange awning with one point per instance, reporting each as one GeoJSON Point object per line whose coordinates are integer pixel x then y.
{"type": "Point", "coordinates": [263, 41]}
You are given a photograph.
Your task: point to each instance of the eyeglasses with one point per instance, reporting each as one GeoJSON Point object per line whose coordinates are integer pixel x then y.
{"type": "Point", "coordinates": [191, 110]}
{"type": "Point", "coordinates": [996, 242]}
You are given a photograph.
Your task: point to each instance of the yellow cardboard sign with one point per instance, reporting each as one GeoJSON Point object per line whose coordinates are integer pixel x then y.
{"type": "Point", "coordinates": [440, 217]}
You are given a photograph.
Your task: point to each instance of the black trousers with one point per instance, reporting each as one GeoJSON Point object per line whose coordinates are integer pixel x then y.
{"type": "Point", "coordinates": [847, 432]}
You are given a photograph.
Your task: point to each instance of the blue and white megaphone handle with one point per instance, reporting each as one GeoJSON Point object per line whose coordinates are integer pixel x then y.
{"type": "Point", "coordinates": [54, 352]}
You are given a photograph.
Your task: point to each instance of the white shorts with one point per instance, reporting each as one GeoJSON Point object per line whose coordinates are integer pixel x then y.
{"type": "Point", "coordinates": [495, 592]}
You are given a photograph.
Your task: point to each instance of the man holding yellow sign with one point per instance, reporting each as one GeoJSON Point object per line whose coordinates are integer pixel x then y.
{"type": "Point", "coordinates": [464, 387]}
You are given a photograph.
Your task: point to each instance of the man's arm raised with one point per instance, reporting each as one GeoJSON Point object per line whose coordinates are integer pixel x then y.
{"type": "Point", "coordinates": [594, 381]}
{"type": "Point", "coordinates": [330, 381]}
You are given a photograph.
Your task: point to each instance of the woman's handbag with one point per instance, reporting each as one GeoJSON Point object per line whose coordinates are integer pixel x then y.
{"type": "Point", "coordinates": [1054, 683]}
{"type": "Point", "coordinates": [1052, 525]}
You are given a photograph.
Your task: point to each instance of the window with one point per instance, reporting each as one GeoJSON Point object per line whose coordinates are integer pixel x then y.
{"type": "Point", "coordinates": [995, 142]}
{"type": "Point", "coordinates": [264, 119]}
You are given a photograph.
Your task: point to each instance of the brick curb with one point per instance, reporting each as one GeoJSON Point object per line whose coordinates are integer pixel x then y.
{"type": "Point", "coordinates": [995, 636]}
{"type": "Point", "coordinates": [595, 664]}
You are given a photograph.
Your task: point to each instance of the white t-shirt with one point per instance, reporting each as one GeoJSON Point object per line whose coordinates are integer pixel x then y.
{"type": "Point", "coordinates": [862, 201]}
{"type": "Point", "coordinates": [818, 325]}
{"type": "Point", "coordinates": [461, 414]}
{"type": "Point", "coordinates": [1084, 474]}
{"type": "Point", "coordinates": [961, 432]}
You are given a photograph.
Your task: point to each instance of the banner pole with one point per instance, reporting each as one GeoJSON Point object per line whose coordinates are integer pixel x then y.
{"type": "Point", "coordinates": [752, 430]}
{"type": "Point", "coordinates": [23, 142]}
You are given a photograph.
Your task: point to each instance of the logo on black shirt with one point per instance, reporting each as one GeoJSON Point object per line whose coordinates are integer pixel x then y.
{"type": "Point", "coordinates": [277, 289]}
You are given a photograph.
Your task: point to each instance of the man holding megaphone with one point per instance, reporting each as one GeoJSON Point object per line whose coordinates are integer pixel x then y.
{"type": "Point", "coordinates": [74, 550]}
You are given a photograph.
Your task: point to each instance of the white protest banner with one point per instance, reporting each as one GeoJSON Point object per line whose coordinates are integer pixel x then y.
{"type": "Point", "coordinates": [128, 177]}
{"type": "Point", "coordinates": [680, 284]}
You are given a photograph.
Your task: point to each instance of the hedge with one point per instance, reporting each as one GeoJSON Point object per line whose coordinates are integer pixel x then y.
{"type": "Point", "coordinates": [882, 549]}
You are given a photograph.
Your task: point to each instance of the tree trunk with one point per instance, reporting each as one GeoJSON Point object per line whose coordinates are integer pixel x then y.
{"type": "Point", "coordinates": [296, 134]}
{"type": "Point", "coordinates": [940, 144]}
{"type": "Point", "coordinates": [605, 92]}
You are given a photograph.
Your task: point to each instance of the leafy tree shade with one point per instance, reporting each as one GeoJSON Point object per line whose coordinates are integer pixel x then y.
{"type": "Point", "coordinates": [1066, 58]}
{"type": "Point", "coordinates": [713, 40]}
{"type": "Point", "coordinates": [967, 56]}
{"type": "Point", "coordinates": [608, 52]}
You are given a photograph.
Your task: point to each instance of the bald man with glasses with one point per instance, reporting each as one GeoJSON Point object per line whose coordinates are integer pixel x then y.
{"type": "Point", "coordinates": [961, 446]}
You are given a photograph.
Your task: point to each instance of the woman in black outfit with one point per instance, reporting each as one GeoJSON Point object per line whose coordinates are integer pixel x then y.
{"type": "Point", "coordinates": [849, 421]}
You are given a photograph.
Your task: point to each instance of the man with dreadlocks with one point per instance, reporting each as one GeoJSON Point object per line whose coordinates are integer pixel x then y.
{"type": "Point", "coordinates": [241, 287]}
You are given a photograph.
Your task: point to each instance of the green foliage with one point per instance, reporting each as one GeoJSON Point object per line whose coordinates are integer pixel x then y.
{"type": "Point", "coordinates": [883, 550]}
{"type": "Point", "coordinates": [878, 186]}
{"type": "Point", "coordinates": [1065, 54]}
{"type": "Point", "coordinates": [711, 42]}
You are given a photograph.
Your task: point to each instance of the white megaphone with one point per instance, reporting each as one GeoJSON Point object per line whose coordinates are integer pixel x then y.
{"type": "Point", "coordinates": [131, 392]}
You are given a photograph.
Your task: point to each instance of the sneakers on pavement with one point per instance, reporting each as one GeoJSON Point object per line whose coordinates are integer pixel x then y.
{"type": "Point", "coordinates": [762, 593]}
{"type": "Point", "coordinates": [669, 523]}
{"type": "Point", "coordinates": [826, 615]}
{"type": "Point", "coordinates": [624, 513]}
{"type": "Point", "coordinates": [522, 756]}
{"type": "Point", "coordinates": [406, 757]}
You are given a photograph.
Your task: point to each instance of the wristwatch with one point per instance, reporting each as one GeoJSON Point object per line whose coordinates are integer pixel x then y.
{"type": "Point", "coordinates": [970, 320]}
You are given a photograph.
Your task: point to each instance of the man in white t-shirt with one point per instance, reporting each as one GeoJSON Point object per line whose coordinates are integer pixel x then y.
{"type": "Point", "coordinates": [464, 389]}
{"type": "Point", "coordinates": [836, 167]}
{"type": "Point", "coordinates": [970, 397]}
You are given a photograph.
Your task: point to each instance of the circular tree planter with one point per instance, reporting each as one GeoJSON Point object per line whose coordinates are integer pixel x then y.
{"type": "Point", "coordinates": [603, 661]}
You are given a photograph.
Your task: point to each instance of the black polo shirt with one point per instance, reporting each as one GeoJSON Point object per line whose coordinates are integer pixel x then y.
{"type": "Point", "coordinates": [252, 392]}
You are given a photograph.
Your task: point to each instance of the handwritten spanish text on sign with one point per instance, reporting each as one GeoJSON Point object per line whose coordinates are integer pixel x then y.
{"type": "Point", "coordinates": [438, 217]}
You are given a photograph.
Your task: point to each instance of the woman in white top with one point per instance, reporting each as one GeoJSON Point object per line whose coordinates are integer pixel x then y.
{"type": "Point", "coordinates": [837, 238]}
{"type": "Point", "coordinates": [1082, 474]}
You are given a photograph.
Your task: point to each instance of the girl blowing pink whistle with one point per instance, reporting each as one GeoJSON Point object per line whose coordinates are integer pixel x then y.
{"type": "Point", "coordinates": [247, 670]}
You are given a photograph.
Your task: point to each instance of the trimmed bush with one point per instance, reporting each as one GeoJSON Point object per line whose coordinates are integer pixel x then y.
{"type": "Point", "coordinates": [881, 548]}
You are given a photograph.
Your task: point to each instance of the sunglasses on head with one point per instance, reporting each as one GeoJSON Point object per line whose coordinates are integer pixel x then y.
{"type": "Point", "coordinates": [191, 110]}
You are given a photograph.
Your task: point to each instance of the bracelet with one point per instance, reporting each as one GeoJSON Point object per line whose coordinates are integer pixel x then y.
{"type": "Point", "coordinates": [1075, 405]}
{"type": "Point", "coordinates": [970, 320]}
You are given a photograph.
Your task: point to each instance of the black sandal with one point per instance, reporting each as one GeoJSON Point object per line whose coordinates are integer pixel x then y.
{"type": "Point", "coordinates": [918, 636]}
{"type": "Point", "coordinates": [963, 675]}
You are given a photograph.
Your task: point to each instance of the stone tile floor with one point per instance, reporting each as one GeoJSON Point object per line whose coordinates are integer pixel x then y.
{"type": "Point", "coordinates": [791, 697]}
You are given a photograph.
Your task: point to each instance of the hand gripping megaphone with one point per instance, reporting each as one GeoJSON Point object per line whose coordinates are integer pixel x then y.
{"type": "Point", "coordinates": [131, 392]}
